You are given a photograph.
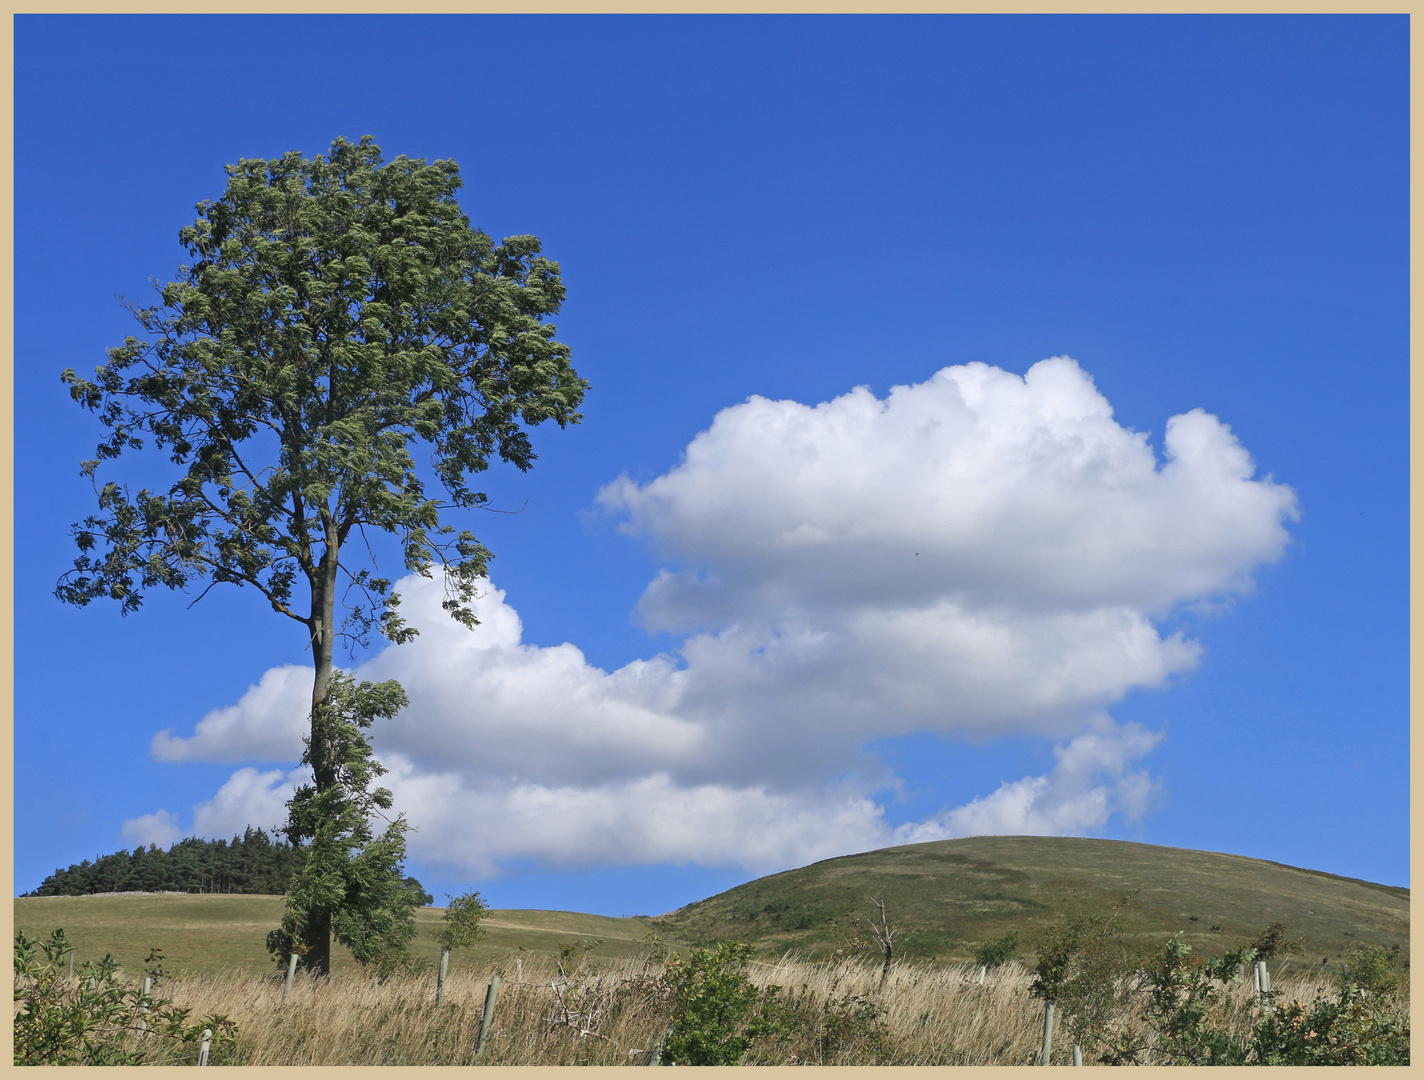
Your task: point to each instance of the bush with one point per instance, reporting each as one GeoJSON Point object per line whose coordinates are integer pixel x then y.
{"type": "Point", "coordinates": [996, 952]}
{"type": "Point", "coordinates": [716, 1011]}
{"type": "Point", "coordinates": [94, 1019]}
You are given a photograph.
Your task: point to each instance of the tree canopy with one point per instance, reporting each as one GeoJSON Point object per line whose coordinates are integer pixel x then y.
{"type": "Point", "coordinates": [339, 310]}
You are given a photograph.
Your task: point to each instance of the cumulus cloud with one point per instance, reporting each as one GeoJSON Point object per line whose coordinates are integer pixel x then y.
{"type": "Point", "coordinates": [248, 797]}
{"type": "Point", "coordinates": [267, 723]}
{"type": "Point", "coordinates": [159, 827]}
{"type": "Point", "coordinates": [976, 555]}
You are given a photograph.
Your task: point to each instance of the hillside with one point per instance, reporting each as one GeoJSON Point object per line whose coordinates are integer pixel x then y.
{"type": "Point", "coordinates": [216, 932]}
{"type": "Point", "coordinates": [951, 894]}
{"type": "Point", "coordinates": [946, 896]}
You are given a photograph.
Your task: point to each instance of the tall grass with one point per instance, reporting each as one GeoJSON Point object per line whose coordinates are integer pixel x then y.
{"type": "Point", "coordinates": [614, 1015]}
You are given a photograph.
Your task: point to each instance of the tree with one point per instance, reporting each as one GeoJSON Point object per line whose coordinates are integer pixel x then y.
{"type": "Point", "coordinates": [352, 883]}
{"type": "Point", "coordinates": [462, 928]}
{"type": "Point", "coordinates": [338, 311]}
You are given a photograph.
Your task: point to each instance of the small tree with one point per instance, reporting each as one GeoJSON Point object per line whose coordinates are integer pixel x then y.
{"type": "Point", "coordinates": [1081, 970]}
{"type": "Point", "coordinates": [885, 936]}
{"type": "Point", "coordinates": [462, 921]}
{"type": "Point", "coordinates": [717, 1012]}
{"type": "Point", "coordinates": [338, 310]}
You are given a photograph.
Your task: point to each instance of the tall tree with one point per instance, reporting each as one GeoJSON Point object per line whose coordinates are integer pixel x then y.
{"type": "Point", "coordinates": [339, 310]}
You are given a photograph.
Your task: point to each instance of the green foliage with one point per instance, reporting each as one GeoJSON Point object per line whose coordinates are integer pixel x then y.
{"type": "Point", "coordinates": [462, 921]}
{"type": "Point", "coordinates": [1081, 968]}
{"type": "Point", "coordinates": [352, 880]}
{"type": "Point", "coordinates": [716, 1011]}
{"type": "Point", "coordinates": [420, 897]}
{"type": "Point", "coordinates": [1181, 992]}
{"type": "Point", "coordinates": [251, 863]}
{"type": "Point", "coordinates": [1185, 1019]}
{"type": "Point", "coordinates": [1272, 942]}
{"type": "Point", "coordinates": [94, 1019]}
{"type": "Point", "coordinates": [1355, 1027]}
{"type": "Point", "coordinates": [1370, 968]}
{"type": "Point", "coordinates": [337, 310]}
{"type": "Point", "coordinates": [996, 952]}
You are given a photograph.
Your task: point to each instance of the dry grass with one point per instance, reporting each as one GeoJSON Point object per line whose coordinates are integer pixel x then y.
{"type": "Point", "coordinates": [614, 1015]}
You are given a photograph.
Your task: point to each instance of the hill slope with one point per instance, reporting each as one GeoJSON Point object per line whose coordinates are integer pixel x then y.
{"type": "Point", "coordinates": [951, 894]}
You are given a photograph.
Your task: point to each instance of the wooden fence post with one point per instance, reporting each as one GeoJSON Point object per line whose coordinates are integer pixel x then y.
{"type": "Point", "coordinates": [1047, 1032]}
{"type": "Point", "coordinates": [491, 995]}
{"type": "Point", "coordinates": [291, 971]}
{"type": "Point", "coordinates": [440, 978]}
{"type": "Point", "coordinates": [207, 1045]}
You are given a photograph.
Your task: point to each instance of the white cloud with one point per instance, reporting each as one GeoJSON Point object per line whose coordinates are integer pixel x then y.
{"type": "Point", "coordinates": [977, 555]}
{"type": "Point", "coordinates": [248, 798]}
{"type": "Point", "coordinates": [160, 827]}
{"type": "Point", "coordinates": [267, 723]}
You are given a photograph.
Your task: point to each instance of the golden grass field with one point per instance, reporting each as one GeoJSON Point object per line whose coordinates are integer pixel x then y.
{"type": "Point", "coordinates": [609, 1015]}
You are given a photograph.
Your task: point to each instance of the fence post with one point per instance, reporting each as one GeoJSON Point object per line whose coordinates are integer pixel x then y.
{"type": "Point", "coordinates": [207, 1045]}
{"type": "Point", "coordinates": [491, 995]}
{"type": "Point", "coordinates": [1047, 1032]}
{"type": "Point", "coordinates": [71, 963]}
{"type": "Point", "coordinates": [291, 970]}
{"type": "Point", "coordinates": [143, 1007]}
{"type": "Point", "coordinates": [440, 978]}
{"type": "Point", "coordinates": [983, 970]}
{"type": "Point", "coordinates": [519, 969]}
{"type": "Point", "coordinates": [1077, 1055]}
{"type": "Point", "coordinates": [656, 1057]}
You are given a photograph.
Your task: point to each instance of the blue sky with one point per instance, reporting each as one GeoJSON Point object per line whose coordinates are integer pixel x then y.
{"type": "Point", "coordinates": [756, 216]}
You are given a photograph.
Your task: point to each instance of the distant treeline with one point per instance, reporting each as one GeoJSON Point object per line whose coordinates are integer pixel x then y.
{"type": "Point", "coordinates": [251, 863]}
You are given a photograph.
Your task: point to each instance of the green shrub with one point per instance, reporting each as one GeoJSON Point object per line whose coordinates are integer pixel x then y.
{"type": "Point", "coordinates": [94, 1019]}
{"type": "Point", "coordinates": [716, 1011]}
{"type": "Point", "coordinates": [1354, 1028]}
{"type": "Point", "coordinates": [996, 952]}
{"type": "Point", "coordinates": [1180, 994]}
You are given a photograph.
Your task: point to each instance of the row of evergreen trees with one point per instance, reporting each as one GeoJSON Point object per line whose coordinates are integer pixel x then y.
{"type": "Point", "coordinates": [251, 863]}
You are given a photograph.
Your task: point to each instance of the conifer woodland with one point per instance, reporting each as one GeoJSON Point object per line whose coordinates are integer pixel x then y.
{"type": "Point", "coordinates": [252, 863]}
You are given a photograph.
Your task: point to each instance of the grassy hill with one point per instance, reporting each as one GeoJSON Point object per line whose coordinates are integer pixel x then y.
{"type": "Point", "coordinates": [947, 895]}
{"type": "Point", "coordinates": [951, 894]}
{"type": "Point", "coordinates": [212, 933]}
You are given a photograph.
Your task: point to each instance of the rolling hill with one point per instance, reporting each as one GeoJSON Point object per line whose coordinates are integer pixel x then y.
{"type": "Point", "coordinates": [951, 894]}
{"type": "Point", "coordinates": [946, 896]}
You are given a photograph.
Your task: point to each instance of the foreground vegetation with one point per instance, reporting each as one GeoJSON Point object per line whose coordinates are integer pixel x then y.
{"type": "Point", "coordinates": [716, 1007]}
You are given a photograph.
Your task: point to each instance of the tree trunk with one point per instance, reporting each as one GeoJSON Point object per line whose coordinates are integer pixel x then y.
{"type": "Point", "coordinates": [323, 636]}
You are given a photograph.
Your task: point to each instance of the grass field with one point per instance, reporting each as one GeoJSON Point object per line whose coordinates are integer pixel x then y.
{"type": "Point", "coordinates": [216, 933]}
